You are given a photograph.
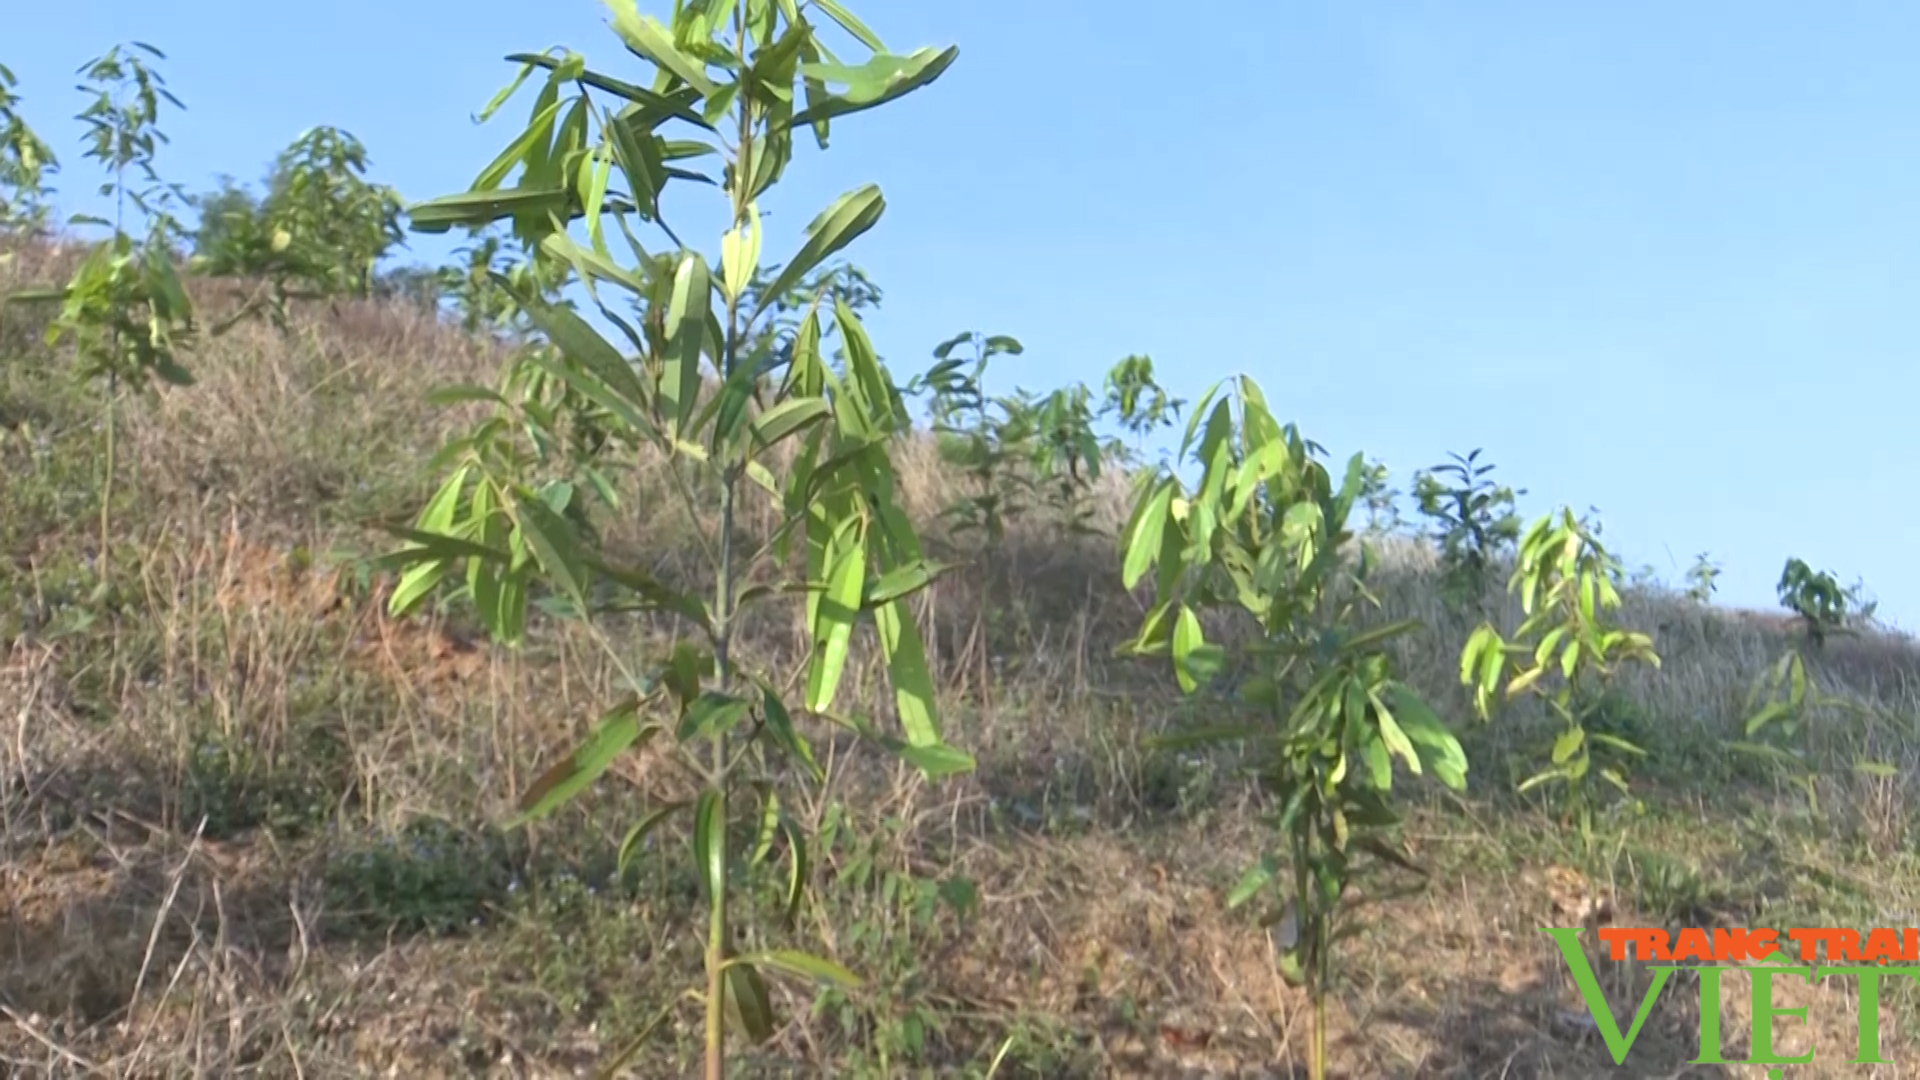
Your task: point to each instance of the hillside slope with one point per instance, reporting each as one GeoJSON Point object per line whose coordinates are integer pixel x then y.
{"type": "Point", "coordinates": [250, 822]}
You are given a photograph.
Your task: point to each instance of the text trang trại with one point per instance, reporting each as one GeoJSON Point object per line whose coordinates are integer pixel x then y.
{"type": "Point", "coordinates": [1765, 955]}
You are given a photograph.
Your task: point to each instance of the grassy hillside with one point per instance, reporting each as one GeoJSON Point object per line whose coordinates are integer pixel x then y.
{"type": "Point", "coordinates": [251, 823]}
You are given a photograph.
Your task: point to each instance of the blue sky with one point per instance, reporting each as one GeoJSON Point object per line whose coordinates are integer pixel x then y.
{"type": "Point", "coordinates": [1660, 259]}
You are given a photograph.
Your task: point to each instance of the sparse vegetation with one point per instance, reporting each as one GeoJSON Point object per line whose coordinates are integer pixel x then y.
{"type": "Point", "coordinates": [1474, 523]}
{"type": "Point", "coordinates": [1824, 606]}
{"type": "Point", "coordinates": [278, 799]}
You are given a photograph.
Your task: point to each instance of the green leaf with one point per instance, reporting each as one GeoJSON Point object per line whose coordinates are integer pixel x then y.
{"type": "Point", "coordinates": [1374, 636]}
{"type": "Point", "coordinates": [850, 24]}
{"type": "Point", "coordinates": [903, 581]}
{"type": "Point", "coordinates": [645, 37]}
{"type": "Point", "coordinates": [686, 329]}
{"type": "Point", "coordinates": [881, 79]}
{"type": "Point", "coordinates": [833, 619]}
{"type": "Point", "coordinates": [1193, 659]}
{"type": "Point", "coordinates": [617, 730]}
{"type": "Point", "coordinates": [740, 253]}
{"type": "Point", "coordinates": [906, 661]}
{"type": "Point", "coordinates": [415, 585]}
{"type": "Point", "coordinates": [1539, 778]}
{"type": "Point", "coordinates": [582, 344]}
{"type": "Point", "coordinates": [787, 417]}
{"type": "Point", "coordinates": [960, 894]}
{"type": "Point", "coordinates": [551, 539]}
{"type": "Point", "coordinates": [1617, 743]}
{"type": "Point", "coordinates": [436, 518]}
{"type": "Point", "coordinates": [1252, 881]}
{"type": "Point", "coordinates": [799, 869]}
{"type": "Point", "coordinates": [1145, 535]}
{"type": "Point", "coordinates": [647, 823]}
{"type": "Point", "coordinates": [935, 760]}
{"type": "Point", "coordinates": [1568, 744]}
{"type": "Point", "coordinates": [805, 965]}
{"type": "Point", "coordinates": [650, 590]}
{"type": "Point", "coordinates": [678, 104]}
{"type": "Point", "coordinates": [750, 1005]}
{"type": "Point", "coordinates": [477, 209]}
{"type": "Point", "coordinates": [439, 546]}
{"type": "Point", "coordinates": [1396, 740]}
{"type": "Point", "coordinates": [709, 842]}
{"type": "Point", "coordinates": [780, 726]}
{"type": "Point", "coordinates": [1447, 759]}
{"type": "Point", "coordinates": [710, 714]}
{"type": "Point", "coordinates": [835, 227]}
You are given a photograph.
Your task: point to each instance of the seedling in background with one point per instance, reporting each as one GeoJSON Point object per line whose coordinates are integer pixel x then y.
{"type": "Point", "coordinates": [1381, 499]}
{"type": "Point", "coordinates": [1141, 405]}
{"type": "Point", "coordinates": [25, 162]}
{"type": "Point", "coordinates": [1565, 651]}
{"type": "Point", "coordinates": [1262, 535]}
{"type": "Point", "coordinates": [743, 80]}
{"type": "Point", "coordinates": [1825, 608]}
{"type": "Point", "coordinates": [1702, 577]}
{"type": "Point", "coordinates": [319, 232]}
{"type": "Point", "coordinates": [124, 307]}
{"type": "Point", "coordinates": [1782, 708]}
{"type": "Point", "coordinates": [988, 438]}
{"type": "Point", "coordinates": [1473, 522]}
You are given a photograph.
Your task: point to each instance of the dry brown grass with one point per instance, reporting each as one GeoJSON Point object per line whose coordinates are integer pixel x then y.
{"type": "Point", "coordinates": [193, 786]}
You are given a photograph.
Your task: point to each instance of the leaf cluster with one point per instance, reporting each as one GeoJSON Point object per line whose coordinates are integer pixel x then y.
{"type": "Point", "coordinates": [1263, 535]}
{"type": "Point", "coordinates": [1566, 646]}
{"type": "Point", "coordinates": [1473, 519]}
{"type": "Point", "coordinates": [319, 231]}
{"type": "Point", "coordinates": [1824, 606]}
{"type": "Point", "coordinates": [723, 377]}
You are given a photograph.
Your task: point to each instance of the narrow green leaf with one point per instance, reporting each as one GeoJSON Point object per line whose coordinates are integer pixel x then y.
{"type": "Point", "coordinates": [906, 661]}
{"type": "Point", "coordinates": [415, 585]}
{"type": "Point", "coordinates": [935, 760]}
{"type": "Point", "coordinates": [1447, 759]}
{"type": "Point", "coordinates": [805, 965]}
{"type": "Point", "coordinates": [1144, 541]}
{"type": "Point", "coordinates": [440, 546]}
{"type": "Point", "coordinates": [850, 24]}
{"type": "Point", "coordinates": [1256, 878]}
{"type": "Point", "coordinates": [1396, 740]}
{"type": "Point", "coordinates": [710, 714]}
{"type": "Point", "coordinates": [617, 730]}
{"type": "Point", "coordinates": [787, 417]}
{"type": "Point", "coordinates": [750, 1005]}
{"type": "Point", "coordinates": [630, 845]}
{"type": "Point", "coordinates": [838, 603]}
{"type": "Point", "coordinates": [551, 539]}
{"type": "Point", "coordinates": [1568, 744]}
{"type": "Point", "coordinates": [799, 870]}
{"type": "Point", "coordinates": [837, 226]}
{"type": "Point", "coordinates": [709, 842]}
{"type": "Point", "coordinates": [686, 328]}
{"type": "Point", "coordinates": [740, 253]}
{"type": "Point", "coordinates": [644, 35]}
{"type": "Point", "coordinates": [904, 581]}
{"type": "Point", "coordinates": [477, 209]}
{"type": "Point", "coordinates": [780, 725]}
{"type": "Point", "coordinates": [881, 79]}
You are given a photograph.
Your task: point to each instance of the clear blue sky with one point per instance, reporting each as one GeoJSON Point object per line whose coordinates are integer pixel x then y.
{"type": "Point", "coordinates": [1663, 259]}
